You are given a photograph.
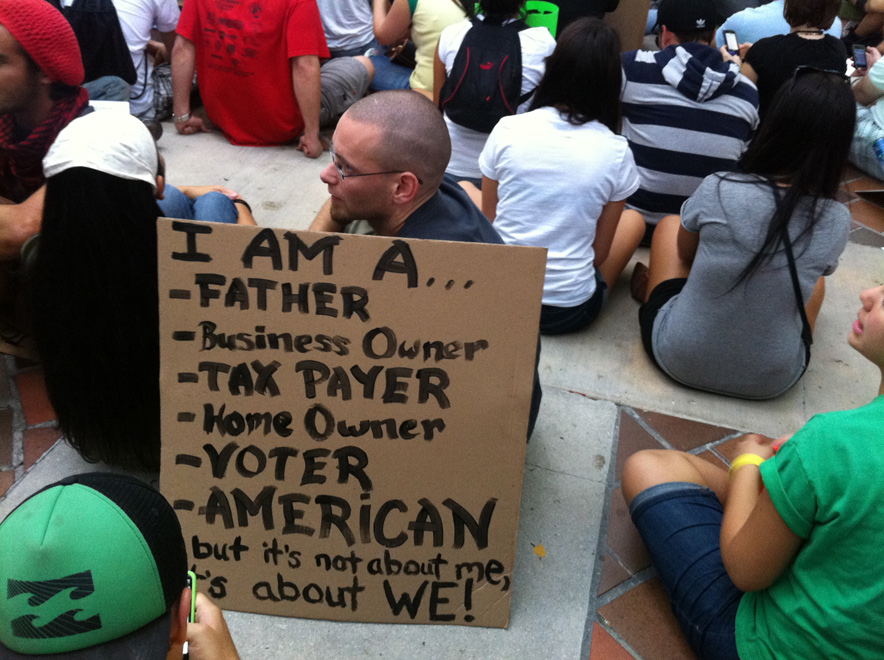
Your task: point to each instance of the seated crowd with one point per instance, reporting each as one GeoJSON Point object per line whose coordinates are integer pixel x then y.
{"type": "Point", "coordinates": [726, 162]}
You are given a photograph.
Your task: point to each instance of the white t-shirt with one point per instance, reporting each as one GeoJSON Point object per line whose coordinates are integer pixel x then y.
{"type": "Point", "coordinates": [466, 144]}
{"type": "Point", "coordinates": [347, 23]}
{"type": "Point", "coordinates": [876, 75]}
{"type": "Point", "coordinates": [137, 18]}
{"type": "Point", "coordinates": [553, 181]}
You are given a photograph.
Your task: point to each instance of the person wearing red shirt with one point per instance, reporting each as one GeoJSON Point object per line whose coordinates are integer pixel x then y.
{"type": "Point", "coordinates": [258, 70]}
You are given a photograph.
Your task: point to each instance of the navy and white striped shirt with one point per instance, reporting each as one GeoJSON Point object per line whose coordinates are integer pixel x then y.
{"type": "Point", "coordinates": [686, 113]}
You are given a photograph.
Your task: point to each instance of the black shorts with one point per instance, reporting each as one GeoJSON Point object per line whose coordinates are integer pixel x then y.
{"type": "Point", "coordinates": [647, 313]}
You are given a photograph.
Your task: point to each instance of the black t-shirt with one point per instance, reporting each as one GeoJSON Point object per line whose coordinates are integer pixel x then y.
{"type": "Point", "coordinates": [775, 59]}
{"type": "Point", "coordinates": [450, 215]}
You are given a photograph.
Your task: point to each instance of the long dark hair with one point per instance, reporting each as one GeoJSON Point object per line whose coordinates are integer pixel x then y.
{"type": "Point", "coordinates": [584, 75]}
{"type": "Point", "coordinates": [94, 312]}
{"type": "Point", "coordinates": [468, 6]}
{"type": "Point", "coordinates": [803, 143]}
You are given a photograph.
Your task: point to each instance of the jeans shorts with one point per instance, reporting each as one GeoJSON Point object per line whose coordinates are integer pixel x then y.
{"type": "Point", "coordinates": [680, 524]}
{"type": "Point", "coordinates": [559, 320]}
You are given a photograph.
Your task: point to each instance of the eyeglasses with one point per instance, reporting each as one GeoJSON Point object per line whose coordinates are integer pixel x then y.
{"type": "Point", "coordinates": [331, 150]}
{"type": "Point", "coordinates": [804, 69]}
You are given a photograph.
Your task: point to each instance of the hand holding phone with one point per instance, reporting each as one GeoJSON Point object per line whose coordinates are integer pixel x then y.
{"type": "Point", "coordinates": [859, 57]}
{"type": "Point", "coordinates": [191, 615]}
{"type": "Point", "coordinates": [731, 42]}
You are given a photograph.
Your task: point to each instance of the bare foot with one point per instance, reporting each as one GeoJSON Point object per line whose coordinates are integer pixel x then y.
{"type": "Point", "coordinates": [638, 283]}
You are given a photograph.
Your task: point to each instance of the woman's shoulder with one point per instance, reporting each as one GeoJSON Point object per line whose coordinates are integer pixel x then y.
{"type": "Point", "coordinates": [538, 38]}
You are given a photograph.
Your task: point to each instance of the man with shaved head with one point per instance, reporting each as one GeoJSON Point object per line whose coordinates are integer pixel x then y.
{"type": "Point", "coordinates": [389, 155]}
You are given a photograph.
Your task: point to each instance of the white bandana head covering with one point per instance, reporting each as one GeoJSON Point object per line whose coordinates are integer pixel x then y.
{"type": "Point", "coordinates": [115, 143]}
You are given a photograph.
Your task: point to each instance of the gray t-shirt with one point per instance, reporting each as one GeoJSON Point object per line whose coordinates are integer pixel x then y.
{"type": "Point", "coordinates": [744, 340]}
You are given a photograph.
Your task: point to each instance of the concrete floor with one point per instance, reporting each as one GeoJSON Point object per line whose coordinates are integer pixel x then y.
{"type": "Point", "coordinates": [586, 597]}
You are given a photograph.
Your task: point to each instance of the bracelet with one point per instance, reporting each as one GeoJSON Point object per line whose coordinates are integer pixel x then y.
{"type": "Point", "coordinates": [180, 119]}
{"type": "Point", "coordinates": [743, 460]}
{"type": "Point", "coordinates": [244, 203]}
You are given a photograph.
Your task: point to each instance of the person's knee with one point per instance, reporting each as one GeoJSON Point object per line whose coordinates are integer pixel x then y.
{"type": "Point", "coordinates": [644, 469]}
{"type": "Point", "coordinates": [669, 223]}
{"type": "Point", "coordinates": [633, 222]}
{"type": "Point", "coordinates": [666, 233]}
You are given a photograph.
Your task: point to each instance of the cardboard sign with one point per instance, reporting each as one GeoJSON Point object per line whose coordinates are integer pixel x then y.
{"type": "Point", "coordinates": [344, 419]}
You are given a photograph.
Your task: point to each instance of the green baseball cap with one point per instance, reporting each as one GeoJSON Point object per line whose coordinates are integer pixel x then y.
{"type": "Point", "coordinates": [90, 567]}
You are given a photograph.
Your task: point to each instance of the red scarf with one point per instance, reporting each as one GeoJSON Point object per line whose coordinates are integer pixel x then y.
{"type": "Point", "coordinates": [21, 163]}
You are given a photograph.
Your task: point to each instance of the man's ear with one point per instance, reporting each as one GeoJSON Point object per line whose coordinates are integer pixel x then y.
{"type": "Point", "coordinates": [667, 38]}
{"type": "Point", "coordinates": [161, 186]}
{"type": "Point", "coordinates": [407, 187]}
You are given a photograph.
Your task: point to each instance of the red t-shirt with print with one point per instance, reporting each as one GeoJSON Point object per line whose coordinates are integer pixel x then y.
{"type": "Point", "coordinates": [243, 50]}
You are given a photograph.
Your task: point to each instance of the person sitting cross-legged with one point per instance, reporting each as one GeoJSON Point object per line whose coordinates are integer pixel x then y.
{"type": "Point", "coordinates": [779, 557]}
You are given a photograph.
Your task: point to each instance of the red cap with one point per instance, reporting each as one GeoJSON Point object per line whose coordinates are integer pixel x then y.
{"type": "Point", "coordinates": [46, 36]}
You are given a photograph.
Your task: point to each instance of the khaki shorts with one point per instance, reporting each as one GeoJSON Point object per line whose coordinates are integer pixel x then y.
{"type": "Point", "coordinates": [344, 81]}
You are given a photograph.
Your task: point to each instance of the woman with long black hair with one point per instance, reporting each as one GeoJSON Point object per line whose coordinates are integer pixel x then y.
{"type": "Point", "coordinates": [735, 283]}
{"type": "Point", "coordinates": [558, 177]}
{"type": "Point", "coordinates": [93, 287]}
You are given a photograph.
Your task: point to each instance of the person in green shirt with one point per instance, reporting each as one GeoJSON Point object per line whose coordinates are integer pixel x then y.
{"type": "Point", "coordinates": [779, 556]}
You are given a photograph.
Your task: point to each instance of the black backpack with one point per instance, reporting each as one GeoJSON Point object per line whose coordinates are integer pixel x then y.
{"type": "Point", "coordinates": [485, 84]}
{"type": "Point", "coordinates": [102, 44]}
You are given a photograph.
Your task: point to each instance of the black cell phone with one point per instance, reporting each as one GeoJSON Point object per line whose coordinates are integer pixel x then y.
{"type": "Point", "coordinates": [859, 56]}
{"type": "Point", "coordinates": [731, 42]}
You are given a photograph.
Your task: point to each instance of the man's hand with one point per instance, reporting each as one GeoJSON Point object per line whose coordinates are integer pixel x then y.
{"type": "Point", "coordinates": [308, 93]}
{"type": "Point", "coordinates": [208, 637]}
{"type": "Point", "coordinates": [192, 125]}
{"type": "Point", "coordinates": [311, 145]}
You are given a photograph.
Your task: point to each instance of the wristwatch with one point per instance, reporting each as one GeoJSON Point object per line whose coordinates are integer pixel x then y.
{"type": "Point", "coordinates": [180, 119]}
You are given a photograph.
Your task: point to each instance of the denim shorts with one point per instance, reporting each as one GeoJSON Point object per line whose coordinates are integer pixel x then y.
{"type": "Point", "coordinates": [680, 524]}
{"type": "Point", "coordinates": [559, 320]}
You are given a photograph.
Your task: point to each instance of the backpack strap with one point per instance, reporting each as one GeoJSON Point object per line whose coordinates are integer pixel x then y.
{"type": "Point", "coordinates": [806, 332]}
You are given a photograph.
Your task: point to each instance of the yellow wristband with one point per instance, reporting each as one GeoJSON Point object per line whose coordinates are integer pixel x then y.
{"type": "Point", "coordinates": [743, 460]}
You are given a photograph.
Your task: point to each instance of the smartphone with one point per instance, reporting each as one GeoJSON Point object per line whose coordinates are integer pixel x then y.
{"type": "Point", "coordinates": [731, 42]}
{"type": "Point", "coordinates": [859, 56]}
{"type": "Point", "coordinates": [191, 584]}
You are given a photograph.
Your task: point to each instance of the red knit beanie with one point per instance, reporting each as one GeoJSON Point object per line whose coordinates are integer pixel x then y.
{"type": "Point", "coordinates": [46, 36]}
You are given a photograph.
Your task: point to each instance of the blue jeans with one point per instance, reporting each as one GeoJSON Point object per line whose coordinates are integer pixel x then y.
{"type": "Point", "coordinates": [211, 207]}
{"type": "Point", "coordinates": [388, 75]}
{"type": "Point", "coordinates": [680, 524]}
{"type": "Point", "coordinates": [108, 88]}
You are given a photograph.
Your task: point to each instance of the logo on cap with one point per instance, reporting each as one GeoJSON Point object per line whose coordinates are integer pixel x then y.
{"type": "Point", "coordinates": [701, 23]}
{"type": "Point", "coordinates": [77, 586]}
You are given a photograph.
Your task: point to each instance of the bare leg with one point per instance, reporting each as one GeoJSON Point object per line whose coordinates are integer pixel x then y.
{"type": "Point", "coordinates": [630, 230]}
{"type": "Point", "coordinates": [653, 467]}
{"type": "Point", "coordinates": [665, 264]}
{"type": "Point", "coordinates": [471, 190]}
{"type": "Point", "coordinates": [812, 309]}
